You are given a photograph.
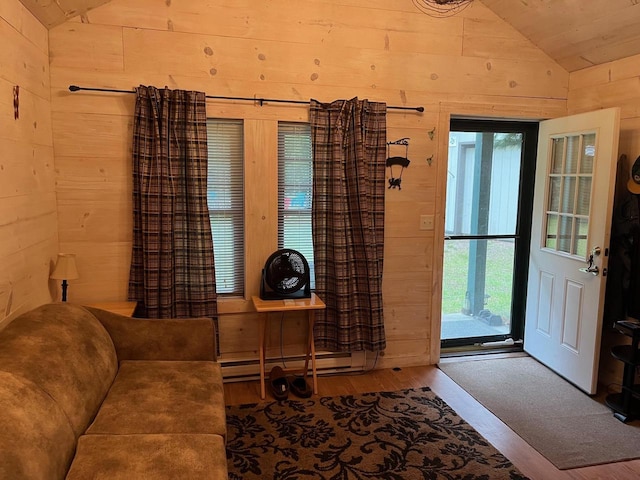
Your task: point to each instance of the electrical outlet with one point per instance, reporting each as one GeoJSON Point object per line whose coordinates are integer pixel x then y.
{"type": "Point", "coordinates": [426, 222]}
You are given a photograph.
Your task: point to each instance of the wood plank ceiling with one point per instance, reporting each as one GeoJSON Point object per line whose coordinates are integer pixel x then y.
{"type": "Point", "coordinates": [54, 12]}
{"type": "Point", "coordinates": [575, 33]}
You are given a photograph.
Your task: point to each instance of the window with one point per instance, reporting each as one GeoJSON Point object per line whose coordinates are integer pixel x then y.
{"type": "Point", "coordinates": [569, 195]}
{"type": "Point", "coordinates": [225, 196]}
{"type": "Point", "coordinates": [295, 184]}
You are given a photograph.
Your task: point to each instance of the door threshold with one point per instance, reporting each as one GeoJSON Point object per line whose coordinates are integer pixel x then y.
{"type": "Point", "coordinates": [482, 349]}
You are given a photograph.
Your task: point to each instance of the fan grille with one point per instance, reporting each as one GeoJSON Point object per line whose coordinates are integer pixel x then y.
{"type": "Point", "coordinates": [286, 273]}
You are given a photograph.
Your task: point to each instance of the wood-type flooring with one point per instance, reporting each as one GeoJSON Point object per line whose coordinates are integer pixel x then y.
{"type": "Point", "coordinates": [523, 456]}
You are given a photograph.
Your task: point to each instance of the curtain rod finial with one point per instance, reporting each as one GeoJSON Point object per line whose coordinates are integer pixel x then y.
{"type": "Point", "coordinates": [74, 88]}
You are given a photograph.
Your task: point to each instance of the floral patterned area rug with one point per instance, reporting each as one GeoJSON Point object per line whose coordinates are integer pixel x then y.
{"type": "Point", "coordinates": [403, 435]}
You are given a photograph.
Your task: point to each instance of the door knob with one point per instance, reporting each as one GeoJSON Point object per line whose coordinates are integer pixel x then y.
{"type": "Point", "coordinates": [592, 270]}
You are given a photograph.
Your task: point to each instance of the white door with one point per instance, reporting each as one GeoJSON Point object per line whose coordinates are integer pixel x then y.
{"type": "Point", "coordinates": [573, 201]}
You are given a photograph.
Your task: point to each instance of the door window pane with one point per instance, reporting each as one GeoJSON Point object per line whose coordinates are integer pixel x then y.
{"type": "Point", "coordinates": [477, 288]}
{"type": "Point", "coordinates": [483, 188]}
{"type": "Point", "coordinates": [569, 187]}
{"type": "Point", "coordinates": [564, 234]}
{"type": "Point", "coordinates": [573, 153]}
{"type": "Point", "coordinates": [580, 237]}
{"type": "Point", "coordinates": [552, 232]}
{"type": "Point", "coordinates": [554, 194]}
{"type": "Point", "coordinates": [588, 153]}
{"type": "Point", "coordinates": [557, 155]}
{"type": "Point", "coordinates": [568, 194]}
{"type": "Point", "coordinates": [584, 196]}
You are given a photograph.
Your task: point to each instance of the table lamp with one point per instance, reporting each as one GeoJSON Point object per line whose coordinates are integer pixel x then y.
{"type": "Point", "coordinates": [64, 270]}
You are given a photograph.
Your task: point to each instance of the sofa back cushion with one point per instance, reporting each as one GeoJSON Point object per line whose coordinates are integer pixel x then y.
{"type": "Point", "coordinates": [36, 438]}
{"type": "Point", "coordinates": [65, 350]}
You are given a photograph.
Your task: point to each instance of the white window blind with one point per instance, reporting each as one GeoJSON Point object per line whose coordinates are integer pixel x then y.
{"type": "Point", "coordinates": [295, 188]}
{"type": "Point", "coordinates": [225, 196]}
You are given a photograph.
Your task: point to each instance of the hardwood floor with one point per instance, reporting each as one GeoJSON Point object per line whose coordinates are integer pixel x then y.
{"type": "Point", "coordinates": [527, 459]}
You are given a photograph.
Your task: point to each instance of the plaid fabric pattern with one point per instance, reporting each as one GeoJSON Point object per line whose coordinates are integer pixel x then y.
{"type": "Point", "coordinates": [172, 270]}
{"type": "Point", "coordinates": [349, 154]}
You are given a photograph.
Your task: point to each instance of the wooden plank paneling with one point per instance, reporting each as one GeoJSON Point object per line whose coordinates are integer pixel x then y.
{"type": "Point", "coordinates": [489, 38]}
{"type": "Point", "coordinates": [325, 49]}
{"type": "Point", "coordinates": [23, 62]}
{"type": "Point", "coordinates": [28, 215]}
{"type": "Point", "coordinates": [27, 170]}
{"type": "Point", "coordinates": [25, 221]}
{"type": "Point", "coordinates": [406, 288]}
{"type": "Point", "coordinates": [293, 63]}
{"type": "Point", "coordinates": [29, 27]}
{"type": "Point", "coordinates": [351, 26]}
{"type": "Point", "coordinates": [55, 13]}
{"type": "Point", "coordinates": [602, 74]}
{"type": "Point", "coordinates": [32, 127]}
{"type": "Point", "coordinates": [261, 204]}
{"type": "Point", "coordinates": [93, 135]}
{"type": "Point", "coordinates": [624, 93]}
{"type": "Point", "coordinates": [94, 173]}
{"type": "Point", "coordinates": [82, 214]}
{"type": "Point", "coordinates": [405, 352]}
{"type": "Point", "coordinates": [577, 35]}
{"type": "Point", "coordinates": [92, 47]}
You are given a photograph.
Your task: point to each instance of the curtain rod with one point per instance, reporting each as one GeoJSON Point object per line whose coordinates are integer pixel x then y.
{"type": "Point", "coordinates": [75, 88]}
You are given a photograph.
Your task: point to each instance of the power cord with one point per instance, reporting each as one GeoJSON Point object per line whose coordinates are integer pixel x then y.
{"type": "Point", "coordinates": [284, 363]}
{"type": "Point", "coordinates": [336, 374]}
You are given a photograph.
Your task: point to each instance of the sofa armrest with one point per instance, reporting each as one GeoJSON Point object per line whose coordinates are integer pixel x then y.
{"type": "Point", "coordinates": [159, 339]}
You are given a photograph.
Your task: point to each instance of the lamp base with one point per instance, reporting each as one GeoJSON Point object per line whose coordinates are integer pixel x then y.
{"type": "Point", "coordinates": [64, 290]}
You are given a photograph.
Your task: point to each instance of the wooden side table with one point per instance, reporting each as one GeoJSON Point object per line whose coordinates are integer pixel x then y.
{"type": "Point", "coordinates": [264, 307]}
{"type": "Point", "coordinates": [121, 308]}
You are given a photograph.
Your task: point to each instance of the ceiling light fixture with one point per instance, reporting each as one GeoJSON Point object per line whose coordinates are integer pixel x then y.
{"type": "Point", "coordinates": [441, 8]}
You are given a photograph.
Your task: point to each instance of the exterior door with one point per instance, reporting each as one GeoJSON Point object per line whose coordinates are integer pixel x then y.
{"type": "Point", "coordinates": [573, 201]}
{"type": "Point", "coordinates": [487, 232]}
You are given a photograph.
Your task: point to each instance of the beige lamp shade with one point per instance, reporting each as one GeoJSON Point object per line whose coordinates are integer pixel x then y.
{"type": "Point", "coordinates": [65, 268]}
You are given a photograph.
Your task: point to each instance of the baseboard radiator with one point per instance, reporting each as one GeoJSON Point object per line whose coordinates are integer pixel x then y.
{"type": "Point", "coordinates": [327, 363]}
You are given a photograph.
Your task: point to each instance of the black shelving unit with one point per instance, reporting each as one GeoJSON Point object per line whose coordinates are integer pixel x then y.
{"type": "Point", "coordinates": [626, 404]}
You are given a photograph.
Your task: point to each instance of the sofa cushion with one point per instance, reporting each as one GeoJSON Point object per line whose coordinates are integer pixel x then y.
{"type": "Point", "coordinates": [149, 457]}
{"type": "Point", "coordinates": [66, 351]}
{"type": "Point", "coordinates": [36, 438]}
{"type": "Point", "coordinates": [163, 397]}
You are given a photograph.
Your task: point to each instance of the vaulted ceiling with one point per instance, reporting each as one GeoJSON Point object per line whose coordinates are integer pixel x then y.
{"type": "Point", "coordinates": [575, 33]}
{"type": "Point", "coordinates": [54, 12]}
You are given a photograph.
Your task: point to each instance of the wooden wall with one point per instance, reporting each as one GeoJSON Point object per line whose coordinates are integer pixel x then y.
{"type": "Point", "coordinates": [28, 217]}
{"type": "Point", "coordinates": [472, 64]}
{"type": "Point", "coordinates": [613, 84]}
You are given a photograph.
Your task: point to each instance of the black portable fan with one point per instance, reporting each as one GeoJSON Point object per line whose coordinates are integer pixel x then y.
{"type": "Point", "coordinates": [285, 275]}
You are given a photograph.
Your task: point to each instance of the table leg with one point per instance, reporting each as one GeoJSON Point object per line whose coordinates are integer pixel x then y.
{"type": "Point", "coordinates": [262, 353]}
{"type": "Point", "coordinates": [312, 351]}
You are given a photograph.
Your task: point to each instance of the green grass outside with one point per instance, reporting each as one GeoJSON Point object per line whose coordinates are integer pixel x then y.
{"type": "Point", "coordinates": [498, 278]}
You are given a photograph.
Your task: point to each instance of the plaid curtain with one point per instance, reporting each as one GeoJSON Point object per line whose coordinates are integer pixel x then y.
{"type": "Point", "coordinates": [172, 271]}
{"type": "Point", "coordinates": [349, 154]}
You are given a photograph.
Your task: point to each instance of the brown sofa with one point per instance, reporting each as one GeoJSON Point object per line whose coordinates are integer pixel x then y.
{"type": "Point", "coordinates": [89, 394]}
